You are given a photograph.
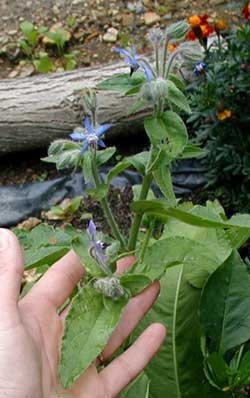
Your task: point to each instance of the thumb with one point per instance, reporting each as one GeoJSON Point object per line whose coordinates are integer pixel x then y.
{"type": "Point", "coordinates": [11, 271]}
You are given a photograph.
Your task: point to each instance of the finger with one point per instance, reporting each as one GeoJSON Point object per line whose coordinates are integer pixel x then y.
{"type": "Point", "coordinates": [11, 267]}
{"type": "Point", "coordinates": [58, 282]}
{"type": "Point", "coordinates": [127, 366]}
{"type": "Point", "coordinates": [124, 264]}
{"type": "Point", "coordinates": [135, 310]}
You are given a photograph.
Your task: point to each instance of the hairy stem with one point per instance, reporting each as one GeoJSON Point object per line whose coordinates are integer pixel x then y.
{"type": "Point", "coordinates": [146, 240]}
{"type": "Point", "coordinates": [105, 206]}
{"type": "Point", "coordinates": [147, 180]}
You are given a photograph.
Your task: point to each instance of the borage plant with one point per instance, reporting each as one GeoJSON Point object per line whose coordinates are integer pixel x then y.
{"type": "Point", "coordinates": [192, 249]}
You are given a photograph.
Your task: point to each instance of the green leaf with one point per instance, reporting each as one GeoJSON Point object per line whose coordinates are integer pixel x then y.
{"type": "Point", "coordinates": [177, 132]}
{"type": "Point", "coordinates": [193, 151]}
{"type": "Point", "coordinates": [43, 64]}
{"type": "Point", "coordinates": [177, 81]}
{"type": "Point", "coordinates": [45, 255]}
{"type": "Point", "coordinates": [122, 82]}
{"type": "Point", "coordinates": [119, 167]}
{"type": "Point", "coordinates": [163, 179]}
{"type": "Point", "coordinates": [244, 370]}
{"type": "Point", "coordinates": [155, 129]}
{"type": "Point", "coordinates": [224, 314]}
{"type": "Point", "coordinates": [88, 328]}
{"type": "Point", "coordinates": [30, 33]}
{"type": "Point", "coordinates": [87, 167]}
{"type": "Point", "coordinates": [100, 192]}
{"type": "Point", "coordinates": [137, 106]}
{"type": "Point", "coordinates": [177, 97]}
{"type": "Point", "coordinates": [135, 283]}
{"type": "Point", "coordinates": [217, 370]}
{"type": "Point", "coordinates": [25, 47]}
{"type": "Point", "coordinates": [176, 250]}
{"type": "Point", "coordinates": [139, 161]}
{"type": "Point", "coordinates": [139, 388]}
{"type": "Point", "coordinates": [198, 215]}
{"type": "Point", "coordinates": [104, 155]}
{"type": "Point", "coordinates": [177, 370]}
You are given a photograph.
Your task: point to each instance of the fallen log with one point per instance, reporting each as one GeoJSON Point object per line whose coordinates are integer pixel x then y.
{"type": "Point", "coordinates": [36, 110]}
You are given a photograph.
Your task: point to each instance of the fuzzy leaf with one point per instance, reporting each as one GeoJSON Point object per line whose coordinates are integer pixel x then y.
{"type": "Point", "coordinates": [177, 97]}
{"type": "Point", "coordinates": [224, 315]}
{"type": "Point", "coordinates": [88, 328]}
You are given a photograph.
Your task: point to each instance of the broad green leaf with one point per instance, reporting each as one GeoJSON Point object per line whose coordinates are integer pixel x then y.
{"type": "Point", "coordinates": [43, 64]}
{"type": "Point", "coordinates": [177, 370]}
{"type": "Point", "coordinates": [81, 245]}
{"type": "Point", "coordinates": [135, 283]}
{"type": "Point", "coordinates": [155, 129]}
{"type": "Point", "coordinates": [163, 179]}
{"type": "Point", "coordinates": [122, 82]}
{"type": "Point", "coordinates": [244, 370]}
{"type": "Point", "coordinates": [139, 388]}
{"type": "Point", "coordinates": [137, 106]}
{"type": "Point", "coordinates": [177, 97]}
{"type": "Point", "coordinates": [172, 251]}
{"type": "Point", "coordinates": [224, 315]}
{"type": "Point", "coordinates": [117, 169]}
{"type": "Point", "coordinates": [100, 192]}
{"type": "Point", "coordinates": [193, 151]}
{"type": "Point", "coordinates": [177, 81]}
{"type": "Point", "coordinates": [197, 215]}
{"type": "Point", "coordinates": [87, 167]}
{"type": "Point", "coordinates": [177, 132]}
{"type": "Point", "coordinates": [88, 328]}
{"type": "Point", "coordinates": [139, 161]}
{"type": "Point", "coordinates": [44, 255]}
{"type": "Point", "coordinates": [217, 370]}
{"type": "Point", "coordinates": [104, 155]}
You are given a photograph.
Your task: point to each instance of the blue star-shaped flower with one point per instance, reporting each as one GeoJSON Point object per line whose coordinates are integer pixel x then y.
{"type": "Point", "coordinates": [199, 68]}
{"type": "Point", "coordinates": [90, 136]}
{"type": "Point", "coordinates": [132, 58]}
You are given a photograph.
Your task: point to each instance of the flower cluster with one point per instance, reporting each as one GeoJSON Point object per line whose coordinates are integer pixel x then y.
{"type": "Point", "coordinates": [97, 249]}
{"type": "Point", "coordinates": [200, 27]}
{"type": "Point", "coordinates": [226, 114]}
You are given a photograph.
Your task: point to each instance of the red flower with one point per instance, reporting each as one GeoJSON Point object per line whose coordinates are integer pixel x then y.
{"type": "Point", "coordinates": [200, 27]}
{"type": "Point", "coordinates": [246, 11]}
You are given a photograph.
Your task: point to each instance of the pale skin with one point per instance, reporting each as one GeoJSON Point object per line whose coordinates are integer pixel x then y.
{"type": "Point", "coordinates": [31, 331]}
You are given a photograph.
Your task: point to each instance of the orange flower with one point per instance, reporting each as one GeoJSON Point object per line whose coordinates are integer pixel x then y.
{"type": "Point", "coordinates": [172, 47]}
{"type": "Point", "coordinates": [246, 11]}
{"type": "Point", "coordinates": [194, 20]}
{"type": "Point", "coordinates": [219, 25]}
{"type": "Point", "coordinates": [224, 114]}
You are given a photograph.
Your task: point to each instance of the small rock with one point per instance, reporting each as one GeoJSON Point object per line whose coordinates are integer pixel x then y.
{"type": "Point", "coordinates": [150, 18]}
{"type": "Point", "coordinates": [168, 16]}
{"type": "Point", "coordinates": [76, 2]}
{"type": "Point", "coordinates": [56, 10]}
{"type": "Point", "coordinates": [111, 35]}
{"type": "Point", "coordinates": [27, 70]}
{"type": "Point", "coordinates": [29, 224]}
{"type": "Point", "coordinates": [127, 19]}
{"type": "Point", "coordinates": [14, 73]}
{"type": "Point", "coordinates": [217, 2]}
{"type": "Point", "coordinates": [12, 32]}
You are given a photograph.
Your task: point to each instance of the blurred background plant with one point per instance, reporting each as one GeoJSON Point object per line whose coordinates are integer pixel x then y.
{"type": "Point", "coordinates": [220, 102]}
{"type": "Point", "coordinates": [37, 40]}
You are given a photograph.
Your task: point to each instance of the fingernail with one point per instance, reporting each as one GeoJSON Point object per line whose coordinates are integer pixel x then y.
{"type": "Point", "coordinates": [4, 239]}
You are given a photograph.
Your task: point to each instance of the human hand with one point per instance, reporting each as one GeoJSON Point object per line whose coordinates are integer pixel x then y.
{"type": "Point", "coordinates": [31, 331]}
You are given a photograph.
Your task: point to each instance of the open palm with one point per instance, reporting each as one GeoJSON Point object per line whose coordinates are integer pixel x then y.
{"type": "Point", "coordinates": [31, 330]}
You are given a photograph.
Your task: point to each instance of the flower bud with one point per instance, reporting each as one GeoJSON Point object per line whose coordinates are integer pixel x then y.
{"type": "Point", "coordinates": [191, 51]}
{"type": "Point", "coordinates": [154, 90]}
{"type": "Point", "coordinates": [90, 102]}
{"type": "Point", "coordinates": [178, 30]}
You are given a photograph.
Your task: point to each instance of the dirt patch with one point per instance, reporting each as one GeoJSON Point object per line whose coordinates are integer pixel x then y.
{"type": "Point", "coordinates": [94, 26]}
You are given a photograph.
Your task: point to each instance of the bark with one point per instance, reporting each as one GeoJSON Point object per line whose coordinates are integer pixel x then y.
{"type": "Point", "coordinates": [36, 110]}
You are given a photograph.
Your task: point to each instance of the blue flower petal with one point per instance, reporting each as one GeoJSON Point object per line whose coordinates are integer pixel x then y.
{"type": "Point", "coordinates": [148, 73]}
{"type": "Point", "coordinates": [101, 144]}
{"type": "Point", "coordinates": [77, 136]}
{"type": "Point", "coordinates": [88, 125]}
{"type": "Point", "coordinates": [92, 228]}
{"type": "Point", "coordinates": [122, 51]}
{"type": "Point", "coordinates": [84, 148]}
{"type": "Point", "coordinates": [101, 129]}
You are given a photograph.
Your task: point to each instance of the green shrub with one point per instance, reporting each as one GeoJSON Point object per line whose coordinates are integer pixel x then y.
{"type": "Point", "coordinates": [220, 99]}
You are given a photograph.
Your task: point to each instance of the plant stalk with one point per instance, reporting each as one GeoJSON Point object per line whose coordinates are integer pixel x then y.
{"type": "Point", "coordinates": [105, 206]}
